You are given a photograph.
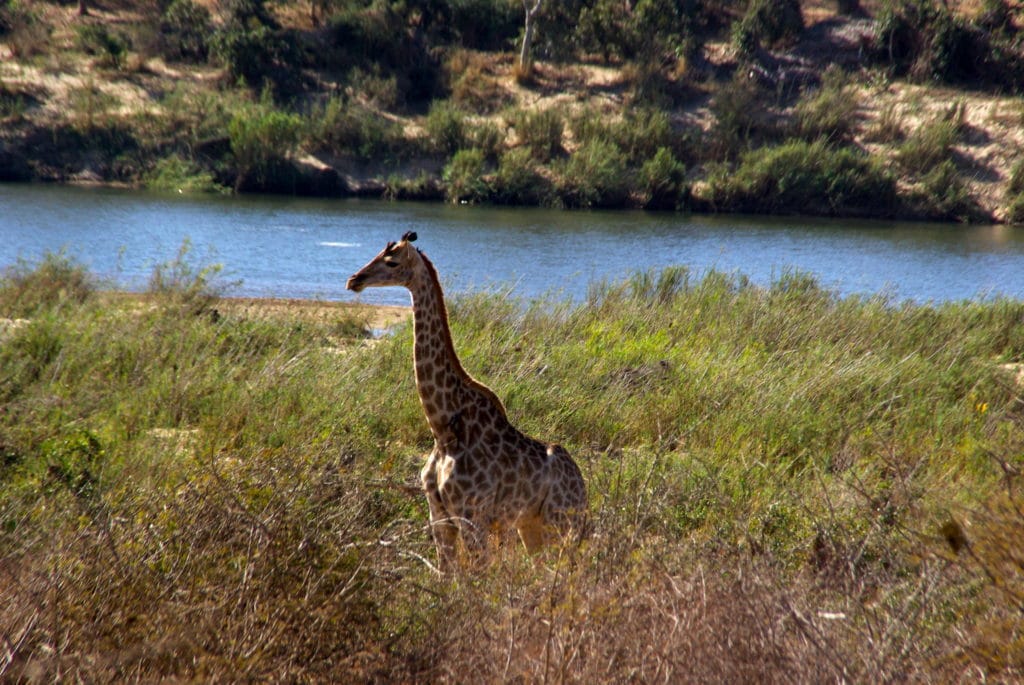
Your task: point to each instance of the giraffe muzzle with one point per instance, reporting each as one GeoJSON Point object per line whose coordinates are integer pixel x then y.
{"type": "Point", "coordinates": [355, 283]}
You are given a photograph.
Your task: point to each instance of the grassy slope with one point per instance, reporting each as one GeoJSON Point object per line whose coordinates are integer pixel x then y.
{"type": "Point", "coordinates": [777, 477]}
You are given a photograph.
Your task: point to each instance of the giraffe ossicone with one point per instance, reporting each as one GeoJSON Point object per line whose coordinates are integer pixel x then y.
{"type": "Point", "coordinates": [483, 474]}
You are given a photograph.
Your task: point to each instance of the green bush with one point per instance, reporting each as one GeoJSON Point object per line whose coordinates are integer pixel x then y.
{"type": "Point", "coordinates": [928, 146]}
{"type": "Point", "coordinates": [662, 181]}
{"type": "Point", "coordinates": [802, 177]}
{"type": "Point", "coordinates": [109, 47]}
{"type": "Point", "coordinates": [644, 31]}
{"type": "Point", "coordinates": [464, 177]}
{"type": "Point", "coordinates": [248, 53]}
{"type": "Point", "coordinates": [741, 114]}
{"type": "Point", "coordinates": [446, 128]}
{"type": "Point", "coordinates": [768, 23]}
{"type": "Point", "coordinates": [927, 41]}
{"type": "Point", "coordinates": [1015, 209]}
{"type": "Point", "coordinates": [261, 138]}
{"type": "Point", "coordinates": [472, 84]}
{"type": "Point", "coordinates": [642, 132]}
{"type": "Point", "coordinates": [352, 129]}
{"type": "Point", "coordinates": [253, 49]}
{"type": "Point", "coordinates": [604, 28]}
{"type": "Point", "coordinates": [376, 38]}
{"type": "Point", "coordinates": [26, 288]}
{"type": "Point", "coordinates": [595, 175]}
{"type": "Point", "coordinates": [1016, 184]}
{"type": "Point", "coordinates": [830, 112]}
{"type": "Point", "coordinates": [23, 29]}
{"type": "Point", "coordinates": [488, 138]}
{"type": "Point", "coordinates": [376, 88]}
{"type": "Point", "coordinates": [945, 194]}
{"type": "Point", "coordinates": [518, 181]}
{"type": "Point", "coordinates": [541, 131]}
{"type": "Point", "coordinates": [185, 29]}
{"type": "Point", "coordinates": [485, 24]}
{"type": "Point", "coordinates": [175, 174]}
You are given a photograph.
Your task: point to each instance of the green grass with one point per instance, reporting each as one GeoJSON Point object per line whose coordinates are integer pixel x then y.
{"type": "Point", "coordinates": [776, 476]}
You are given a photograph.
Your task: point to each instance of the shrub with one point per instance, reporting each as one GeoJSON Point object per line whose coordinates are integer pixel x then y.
{"type": "Point", "coordinates": [541, 131]}
{"type": "Point", "coordinates": [261, 138]}
{"type": "Point", "coordinates": [1015, 209]}
{"type": "Point", "coordinates": [928, 146]}
{"type": "Point", "coordinates": [472, 86]}
{"type": "Point", "coordinates": [464, 177]}
{"type": "Point", "coordinates": [945, 195]}
{"type": "Point", "coordinates": [517, 180]}
{"type": "Point", "coordinates": [603, 28]}
{"type": "Point", "coordinates": [741, 116]}
{"type": "Point", "coordinates": [804, 177]}
{"type": "Point", "coordinates": [830, 112]}
{"type": "Point", "coordinates": [109, 47]}
{"type": "Point", "coordinates": [26, 288]}
{"type": "Point", "coordinates": [376, 37]}
{"type": "Point", "coordinates": [248, 53]}
{"type": "Point", "coordinates": [352, 129]}
{"type": "Point", "coordinates": [446, 128]}
{"type": "Point", "coordinates": [1016, 184]}
{"type": "Point", "coordinates": [926, 41]}
{"type": "Point", "coordinates": [768, 23]}
{"type": "Point", "coordinates": [645, 31]}
{"type": "Point", "coordinates": [643, 132]}
{"type": "Point", "coordinates": [252, 48]}
{"type": "Point", "coordinates": [887, 128]}
{"type": "Point", "coordinates": [91, 106]}
{"type": "Point", "coordinates": [23, 29]}
{"type": "Point", "coordinates": [376, 88]}
{"type": "Point", "coordinates": [594, 176]}
{"type": "Point", "coordinates": [485, 24]}
{"type": "Point", "coordinates": [175, 174]}
{"type": "Point", "coordinates": [488, 138]}
{"type": "Point", "coordinates": [640, 133]}
{"type": "Point", "coordinates": [662, 181]}
{"type": "Point", "coordinates": [185, 29]}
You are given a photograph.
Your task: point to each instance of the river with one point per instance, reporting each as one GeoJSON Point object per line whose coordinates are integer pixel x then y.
{"type": "Point", "coordinates": [306, 248]}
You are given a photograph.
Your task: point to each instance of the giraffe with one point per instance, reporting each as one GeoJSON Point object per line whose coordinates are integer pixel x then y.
{"type": "Point", "coordinates": [483, 474]}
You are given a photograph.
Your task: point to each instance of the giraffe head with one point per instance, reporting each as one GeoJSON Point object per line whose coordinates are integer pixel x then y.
{"type": "Point", "coordinates": [394, 265]}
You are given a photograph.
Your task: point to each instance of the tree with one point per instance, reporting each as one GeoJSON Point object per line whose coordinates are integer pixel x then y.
{"type": "Point", "coordinates": [525, 60]}
{"type": "Point", "coordinates": [83, 8]}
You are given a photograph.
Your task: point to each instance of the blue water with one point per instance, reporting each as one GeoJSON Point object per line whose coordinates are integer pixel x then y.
{"type": "Point", "coordinates": [291, 247]}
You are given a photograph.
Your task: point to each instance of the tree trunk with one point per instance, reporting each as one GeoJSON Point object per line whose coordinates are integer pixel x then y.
{"type": "Point", "coordinates": [83, 8]}
{"type": "Point", "coordinates": [525, 60]}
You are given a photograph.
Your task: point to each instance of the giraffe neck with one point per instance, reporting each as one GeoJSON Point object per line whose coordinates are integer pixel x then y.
{"type": "Point", "coordinates": [440, 378]}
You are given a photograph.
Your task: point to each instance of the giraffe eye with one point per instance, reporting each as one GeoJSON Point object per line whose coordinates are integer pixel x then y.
{"type": "Point", "coordinates": [390, 264]}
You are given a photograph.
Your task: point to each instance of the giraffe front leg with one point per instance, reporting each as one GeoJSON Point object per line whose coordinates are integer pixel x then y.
{"type": "Point", "coordinates": [444, 529]}
{"type": "Point", "coordinates": [445, 532]}
{"type": "Point", "coordinates": [476, 536]}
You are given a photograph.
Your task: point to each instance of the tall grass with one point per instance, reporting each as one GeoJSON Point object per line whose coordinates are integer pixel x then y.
{"type": "Point", "coordinates": [785, 485]}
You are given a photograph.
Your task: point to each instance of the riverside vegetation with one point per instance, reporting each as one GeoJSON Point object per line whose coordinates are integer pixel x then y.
{"type": "Point", "coordinates": [785, 485]}
{"type": "Point", "coordinates": [889, 108]}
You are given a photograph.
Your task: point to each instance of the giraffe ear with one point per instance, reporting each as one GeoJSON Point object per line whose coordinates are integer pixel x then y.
{"type": "Point", "coordinates": [409, 237]}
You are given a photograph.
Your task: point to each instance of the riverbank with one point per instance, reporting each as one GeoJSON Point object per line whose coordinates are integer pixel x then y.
{"type": "Point", "coordinates": [815, 124]}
